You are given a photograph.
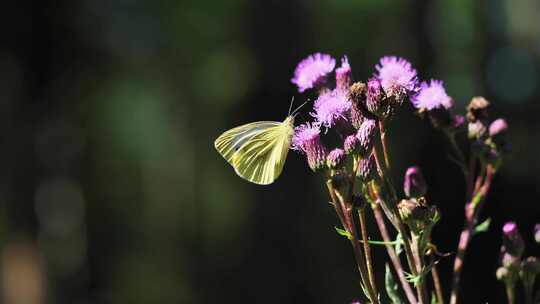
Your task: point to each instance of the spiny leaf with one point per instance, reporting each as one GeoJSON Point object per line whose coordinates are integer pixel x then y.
{"type": "Point", "coordinates": [391, 286]}
{"type": "Point", "coordinates": [482, 227]}
{"type": "Point", "coordinates": [343, 232]}
{"type": "Point", "coordinates": [415, 279]}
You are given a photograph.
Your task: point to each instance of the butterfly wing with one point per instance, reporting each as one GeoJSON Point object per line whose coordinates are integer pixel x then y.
{"type": "Point", "coordinates": [228, 143]}
{"type": "Point", "coordinates": [257, 151]}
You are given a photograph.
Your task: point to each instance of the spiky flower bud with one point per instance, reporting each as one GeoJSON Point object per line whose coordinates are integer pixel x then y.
{"type": "Point", "coordinates": [351, 144]}
{"type": "Point", "coordinates": [537, 233]}
{"type": "Point", "coordinates": [414, 185]}
{"type": "Point", "coordinates": [417, 215]}
{"type": "Point", "coordinates": [477, 109]}
{"type": "Point", "coordinates": [374, 97]}
{"type": "Point", "coordinates": [316, 157]}
{"type": "Point", "coordinates": [357, 95]}
{"type": "Point", "coordinates": [306, 139]}
{"type": "Point", "coordinates": [458, 121]}
{"type": "Point", "coordinates": [367, 170]}
{"type": "Point", "coordinates": [513, 243]}
{"type": "Point", "coordinates": [497, 131]}
{"type": "Point", "coordinates": [498, 127]}
{"type": "Point", "coordinates": [477, 129]}
{"type": "Point", "coordinates": [335, 158]}
{"type": "Point", "coordinates": [366, 136]}
{"type": "Point", "coordinates": [502, 273]}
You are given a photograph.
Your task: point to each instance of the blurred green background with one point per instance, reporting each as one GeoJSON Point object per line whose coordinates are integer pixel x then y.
{"type": "Point", "coordinates": [111, 190]}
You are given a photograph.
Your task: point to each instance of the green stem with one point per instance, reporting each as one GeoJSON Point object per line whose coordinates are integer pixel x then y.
{"type": "Point", "coordinates": [387, 181]}
{"type": "Point", "coordinates": [396, 262]}
{"type": "Point", "coordinates": [348, 223]}
{"type": "Point", "coordinates": [510, 293]}
{"type": "Point", "coordinates": [367, 248]}
{"type": "Point", "coordinates": [472, 211]}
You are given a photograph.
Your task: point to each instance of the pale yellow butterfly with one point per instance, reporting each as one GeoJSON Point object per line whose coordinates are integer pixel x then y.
{"type": "Point", "coordinates": [257, 151]}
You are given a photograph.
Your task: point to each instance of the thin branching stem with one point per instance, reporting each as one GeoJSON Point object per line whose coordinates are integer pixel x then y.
{"type": "Point", "coordinates": [396, 262]}
{"type": "Point", "coordinates": [348, 224]}
{"type": "Point", "coordinates": [472, 211]}
{"type": "Point", "coordinates": [367, 248]}
{"type": "Point", "coordinates": [414, 266]}
{"type": "Point", "coordinates": [436, 281]}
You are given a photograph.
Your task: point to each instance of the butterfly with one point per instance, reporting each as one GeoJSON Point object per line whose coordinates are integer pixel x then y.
{"type": "Point", "coordinates": [257, 150]}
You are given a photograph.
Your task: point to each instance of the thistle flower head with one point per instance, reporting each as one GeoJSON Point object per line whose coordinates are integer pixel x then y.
{"type": "Point", "coordinates": [306, 139]}
{"type": "Point", "coordinates": [374, 95]}
{"type": "Point", "coordinates": [477, 109]}
{"type": "Point", "coordinates": [457, 121]}
{"type": "Point", "coordinates": [343, 74]}
{"type": "Point", "coordinates": [351, 144]}
{"type": "Point", "coordinates": [537, 233]}
{"type": "Point", "coordinates": [477, 129]}
{"type": "Point", "coordinates": [498, 127]}
{"type": "Point", "coordinates": [335, 158]}
{"type": "Point", "coordinates": [432, 96]}
{"type": "Point", "coordinates": [366, 135]}
{"type": "Point", "coordinates": [331, 107]}
{"type": "Point", "coordinates": [357, 96]}
{"type": "Point", "coordinates": [367, 170]}
{"type": "Point", "coordinates": [312, 71]}
{"type": "Point", "coordinates": [397, 76]}
{"type": "Point", "coordinates": [415, 185]}
{"type": "Point", "coordinates": [513, 243]}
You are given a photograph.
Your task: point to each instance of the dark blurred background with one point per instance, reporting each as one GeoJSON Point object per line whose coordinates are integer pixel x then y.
{"type": "Point", "coordinates": [111, 190]}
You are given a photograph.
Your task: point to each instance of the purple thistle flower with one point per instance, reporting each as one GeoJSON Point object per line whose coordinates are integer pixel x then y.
{"type": "Point", "coordinates": [396, 75]}
{"type": "Point", "coordinates": [335, 158]}
{"type": "Point", "coordinates": [415, 185]}
{"type": "Point", "coordinates": [513, 243]}
{"type": "Point", "coordinates": [343, 74]}
{"type": "Point", "coordinates": [312, 70]}
{"type": "Point", "coordinates": [432, 96]}
{"type": "Point", "coordinates": [366, 135]}
{"type": "Point", "coordinates": [331, 107]}
{"type": "Point", "coordinates": [351, 144]}
{"type": "Point", "coordinates": [498, 127]}
{"type": "Point", "coordinates": [307, 140]}
{"type": "Point", "coordinates": [458, 121]}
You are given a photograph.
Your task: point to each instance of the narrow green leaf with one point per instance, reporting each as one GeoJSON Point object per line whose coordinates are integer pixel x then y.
{"type": "Point", "coordinates": [482, 227]}
{"type": "Point", "coordinates": [380, 242]}
{"type": "Point", "coordinates": [391, 286]}
{"type": "Point", "coordinates": [364, 290]}
{"type": "Point", "coordinates": [343, 232]}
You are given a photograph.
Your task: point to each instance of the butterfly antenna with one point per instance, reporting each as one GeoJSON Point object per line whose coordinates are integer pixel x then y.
{"type": "Point", "coordinates": [295, 110]}
{"type": "Point", "coordinates": [290, 106]}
